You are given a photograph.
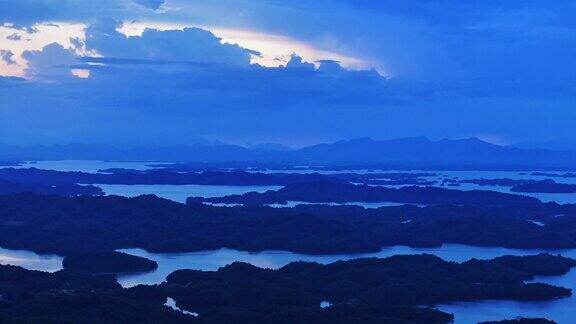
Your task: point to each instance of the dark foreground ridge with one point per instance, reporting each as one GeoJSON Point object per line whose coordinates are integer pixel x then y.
{"type": "Point", "coordinates": [329, 191]}
{"type": "Point", "coordinates": [390, 290]}
{"type": "Point", "coordinates": [54, 224]}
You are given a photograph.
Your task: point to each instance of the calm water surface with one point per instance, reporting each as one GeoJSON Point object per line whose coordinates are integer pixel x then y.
{"type": "Point", "coordinates": [469, 312]}
{"type": "Point", "coordinates": [472, 312]}
{"type": "Point", "coordinates": [30, 260]}
{"type": "Point", "coordinates": [177, 192]}
{"type": "Point", "coordinates": [291, 204]}
{"type": "Point", "coordinates": [90, 166]}
{"type": "Point", "coordinates": [563, 198]}
{"type": "Point", "coordinates": [561, 310]}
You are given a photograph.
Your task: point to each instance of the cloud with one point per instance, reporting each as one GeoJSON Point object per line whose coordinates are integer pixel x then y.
{"type": "Point", "coordinates": [152, 4]}
{"type": "Point", "coordinates": [424, 41]}
{"type": "Point", "coordinates": [28, 12]}
{"type": "Point", "coordinates": [494, 67]}
{"type": "Point", "coordinates": [296, 63]}
{"type": "Point", "coordinates": [7, 57]}
{"type": "Point", "coordinates": [165, 101]}
{"type": "Point", "coordinates": [189, 45]}
{"type": "Point", "coordinates": [177, 85]}
{"type": "Point", "coordinates": [53, 62]}
{"type": "Point", "coordinates": [14, 37]}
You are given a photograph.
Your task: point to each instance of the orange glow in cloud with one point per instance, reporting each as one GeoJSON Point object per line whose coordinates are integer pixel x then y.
{"type": "Point", "coordinates": [275, 49]}
{"type": "Point", "coordinates": [46, 33]}
{"type": "Point", "coordinates": [80, 73]}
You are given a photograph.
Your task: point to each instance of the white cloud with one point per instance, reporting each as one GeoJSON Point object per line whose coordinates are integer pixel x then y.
{"type": "Point", "coordinates": [51, 63]}
{"type": "Point", "coordinates": [186, 45]}
{"type": "Point", "coordinates": [41, 34]}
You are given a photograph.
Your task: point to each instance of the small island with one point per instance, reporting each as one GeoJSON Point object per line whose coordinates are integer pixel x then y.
{"type": "Point", "coordinates": [108, 262]}
{"type": "Point", "coordinates": [328, 191]}
{"type": "Point", "coordinates": [545, 186]}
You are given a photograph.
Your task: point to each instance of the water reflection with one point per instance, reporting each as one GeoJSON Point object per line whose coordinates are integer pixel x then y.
{"type": "Point", "coordinates": [471, 312]}
{"type": "Point", "coordinates": [291, 203]}
{"type": "Point", "coordinates": [30, 260]}
{"type": "Point", "coordinates": [90, 166]}
{"type": "Point", "coordinates": [215, 259]}
{"type": "Point", "coordinates": [468, 312]}
{"type": "Point", "coordinates": [179, 192]}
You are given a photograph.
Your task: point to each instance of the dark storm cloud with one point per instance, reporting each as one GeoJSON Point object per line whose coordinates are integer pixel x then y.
{"type": "Point", "coordinates": [7, 56]}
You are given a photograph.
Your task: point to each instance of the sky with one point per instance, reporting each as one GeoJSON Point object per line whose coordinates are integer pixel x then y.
{"type": "Point", "coordinates": [167, 72]}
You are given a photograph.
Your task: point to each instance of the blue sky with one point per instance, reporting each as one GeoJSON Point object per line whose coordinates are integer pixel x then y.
{"type": "Point", "coordinates": [293, 72]}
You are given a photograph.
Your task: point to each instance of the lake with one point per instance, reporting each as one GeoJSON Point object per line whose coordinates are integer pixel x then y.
{"type": "Point", "coordinates": [560, 310]}
{"type": "Point", "coordinates": [30, 260]}
{"type": "Point", "coordinates": [562, 198]}
{"type": "Point", "coordinates": [90, 166]}
{"type": "Point", "coordinates": [179, 193]}
{"type": "Point", "coordinates": [290, 204]}
{"type": "Point", "coordinates": [470, 312]}
{"type": "Point", "coordinates": [214, 259]}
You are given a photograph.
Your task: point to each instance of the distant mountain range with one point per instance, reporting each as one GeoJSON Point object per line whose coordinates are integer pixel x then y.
{"type": "Point", "coordinates": [420, 152]}
{"type": "Point", "coordinates": [414, 152]}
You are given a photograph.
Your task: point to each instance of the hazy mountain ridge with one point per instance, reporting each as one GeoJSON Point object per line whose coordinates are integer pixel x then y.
{"type": "Point", "coordinates": [414, 152]}
{"type": "Point", "coordinates": [422, 152]}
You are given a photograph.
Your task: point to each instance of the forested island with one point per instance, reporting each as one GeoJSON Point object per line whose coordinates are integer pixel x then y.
{"type": "Point", "coordinates": [526, 186]}
{"type": "Point", "coordinates": [107, 262]}
{"type": "Point", "coordinates": [545, 187]}
{"type": "Point", "coordinates": [63, 189]}
{"type": "Point", "coordinates": [399, 289]}
{"type": "Point", "coordinates": [205, 177]}
{"type": "Point", "coordinates": [329, 191]}
{"type": "Point", "coordinates": [54, 224]}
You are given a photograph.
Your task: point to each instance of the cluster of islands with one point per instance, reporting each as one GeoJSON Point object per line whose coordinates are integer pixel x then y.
{"type": "Point", "coordinates": [67, 213]}
{"type": "Point", "coordinates": [391, 290]}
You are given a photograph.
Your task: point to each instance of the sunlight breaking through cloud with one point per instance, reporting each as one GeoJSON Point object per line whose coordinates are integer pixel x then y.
{"type": "Point", "coordinates": [274, 50]}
